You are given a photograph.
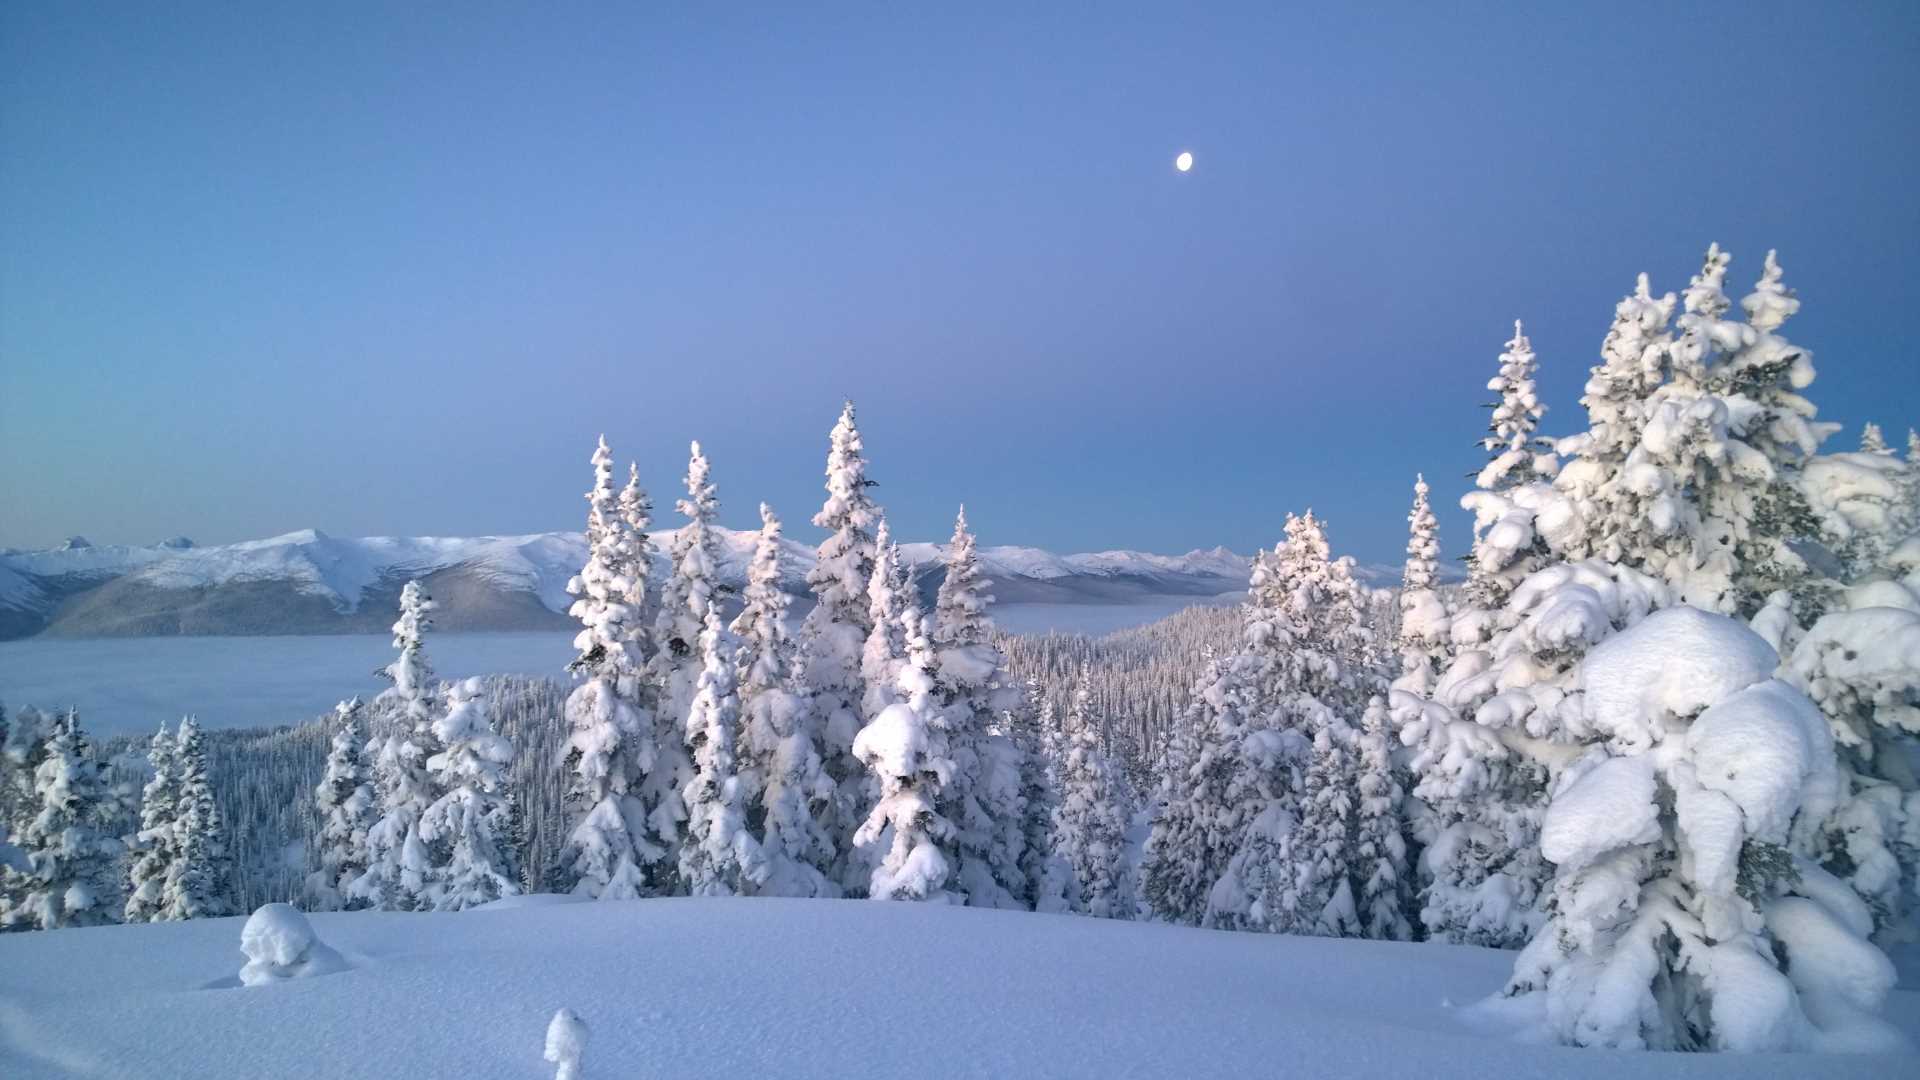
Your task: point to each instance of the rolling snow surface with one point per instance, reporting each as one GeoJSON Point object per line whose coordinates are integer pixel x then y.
{"type": "Point", "coordinates": [795, 988]}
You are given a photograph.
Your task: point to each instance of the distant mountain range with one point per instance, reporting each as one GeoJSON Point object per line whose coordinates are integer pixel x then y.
{"type": "Point", "coordinates": [310, 583]}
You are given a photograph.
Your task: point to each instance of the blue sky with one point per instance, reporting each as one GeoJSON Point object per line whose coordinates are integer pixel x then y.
{"type": "Point", "coordinates": [390, 269]}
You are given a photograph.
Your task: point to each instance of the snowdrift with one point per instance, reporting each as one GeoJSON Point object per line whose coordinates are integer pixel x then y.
{"type": "Point", "coordinates": [791, 988]}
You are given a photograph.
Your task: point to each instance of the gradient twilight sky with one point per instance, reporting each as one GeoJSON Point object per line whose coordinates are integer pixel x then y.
{"type": "Point", "coordinates": [386, 269]}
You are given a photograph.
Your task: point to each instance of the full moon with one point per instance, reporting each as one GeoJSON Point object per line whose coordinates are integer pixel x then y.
{"type": "Point", "coordinates": [1184, 161]}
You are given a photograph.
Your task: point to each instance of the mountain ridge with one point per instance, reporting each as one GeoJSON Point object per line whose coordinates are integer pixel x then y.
{"type": "Point", "coordinates": [307, 581]}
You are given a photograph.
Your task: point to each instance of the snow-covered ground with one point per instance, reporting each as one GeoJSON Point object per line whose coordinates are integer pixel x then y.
{"type": "Point", "coordinates": [132, 684]}
{"type": "Point", "coordinates": [739, 988]}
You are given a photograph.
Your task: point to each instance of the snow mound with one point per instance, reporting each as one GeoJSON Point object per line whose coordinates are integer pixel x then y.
{"type": "Point", "coordinates": [1672, 664]}
{"type": "Point", "coordinates": [280, 944]}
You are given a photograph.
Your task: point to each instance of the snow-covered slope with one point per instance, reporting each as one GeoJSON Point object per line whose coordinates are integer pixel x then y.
{"type": "Point", "coordinates": [792, 988]}
{"type": "Point", "coordinates": [309, 582]}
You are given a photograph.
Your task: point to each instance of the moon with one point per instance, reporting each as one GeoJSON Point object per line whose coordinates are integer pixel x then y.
{"type": "Point", "coordinates": [1184, 161]}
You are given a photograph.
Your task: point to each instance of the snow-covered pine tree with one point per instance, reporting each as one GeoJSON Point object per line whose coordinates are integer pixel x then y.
{"type": "Point", "coordinates": [1861, 665]}
{"type": "Point", "coordinates": [22, 747]}
{"type": "Point", "coordinates": [984, 800]}
{"type": "Point", "coordinates": [1757, 517]}
{"type": "Point", "coordinates": [1310, 891]}
{"type": "Point", "coordinates": [1517, 457]}
{"type": "Point", "coordinates": [1681, 921]}
{"type": "Point", "coordinates": [1623, 508]}
{"type": "Point", "coordinates": [71, 880]}
{"type": "Point", "coordinates": [471, 821]}
{"type": "Point", "coordinates": [1379, 865]}
{"type": "Point", "coordinates": [1874, 441]}
{"type": "Point", "coordinates": [199, 881]}
{"type": "Point", "coordinates": [905, 748]}
{"type": "Point", "coordinates": [693, 588]}
{"type": "Point", "coordinates": [1302, 671]}
{"type": "Point", "coordinates": [1090, 821]}
{"type": "Point", "coordinates": [345, 802]}
{"type": "Point", "coordinates": [1184, 856]}
{"type": "Point", "coordinates": [1032, 728]}
{"type": "Point", "coordinates": [636, 514]}
{"type": "Point", "coordinates": [1425, 628]}
{"type": "Point", "coordinates": [159, 809]}
{"type": "Point", "coordinates": [781, 773]}
{"type": "Point", "coordinates": [720, 857]}
{"type": "Point", "coordinates": [885, 648]}
{"type": "Point", "coordinates": [12, 859]}
{"type": "Point", "coordinates": [399, 866]}
{"type": "Point", "coordinates": [834, 634]}
{"type": "Point", "coordinates": [611, 740]}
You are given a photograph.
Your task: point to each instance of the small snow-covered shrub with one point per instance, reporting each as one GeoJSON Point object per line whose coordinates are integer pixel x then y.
{"type": "Point", "coordinates": [566, 1042]}
{"type": "Point", "coordinates": [279, 944]}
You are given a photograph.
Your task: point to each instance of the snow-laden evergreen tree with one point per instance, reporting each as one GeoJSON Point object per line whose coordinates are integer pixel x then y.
{"type": "Point", "coordinates": [1090, 821]}
{"type": "Point", "coordinates": [1303, 670]}
{"type": "Point", "coordinates": [692, 589]}
{"type": "Point", "coordinates": [1756, 514]}
{"type": "Point", "coordinates": [1379, 861]}
{"type": "Point", "coordinates": [472, 820]}
{"type": "Point", "coordinates": [23, 745]}
{"type": "Point", "coordinates": [1424, 625]}
{"type": "Point", "coordinates": [155, 847]}
{"type": "Point", "coordinates": [1681, 920]}
{"type": "Point", "coordinates": [905, 747]}
{"type": "Point", "coordinates": [1034, 733]}
{"type": "Point", "coordinates": [345, 803]}
{"type": "Point", "coordinates": [12, 859]}
{"type": "Point", "coordinates": [1874, 441]}
{"type": "Point", "coordinates": [1517, 457]}
{"type": "Point", "coordinates": [1621, 507]}
{"type": "Point", "coordinates": [835, 633]}
{"type": "Point", "coordinates": [1310, 889]}
{"type": "Point", "coordinates": [885, 649]}
{"type": "Point", "coordinates": [71, 878]}
{"type": "Point", "coordinates": [612, 737]}
{"type": "Point", "coordinates": [783, 777]}
{"type": "Point", "coordinates": [399, 866]}
{"type": "Point", "coordinates": [720, 857]}
{"type": "Point", "coordinates": [1732, 430]}
{"type": "Point", "coordinates": [1184, 854]}
{"type": "Point", "coordinates": [410, 699]}
{"type": "Point", "coordinates": [636, 515]}
{"type": "Point", "coordinates": [1510, 439]}
{"type": "Point", "coordinates": [985, 799]}
{"type": "Point", "coordinates": [1860, 665]}
{"type": "Point", "coordinates": [198, 884]}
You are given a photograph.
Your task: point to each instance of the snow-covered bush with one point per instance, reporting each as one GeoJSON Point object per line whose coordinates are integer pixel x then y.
{"type": "Point", "coordinates": [566, 1044]}
{"type": "Point", "coordinates": [279, 944]}
{"type": "Point", "coordinates": [1680, 919]}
